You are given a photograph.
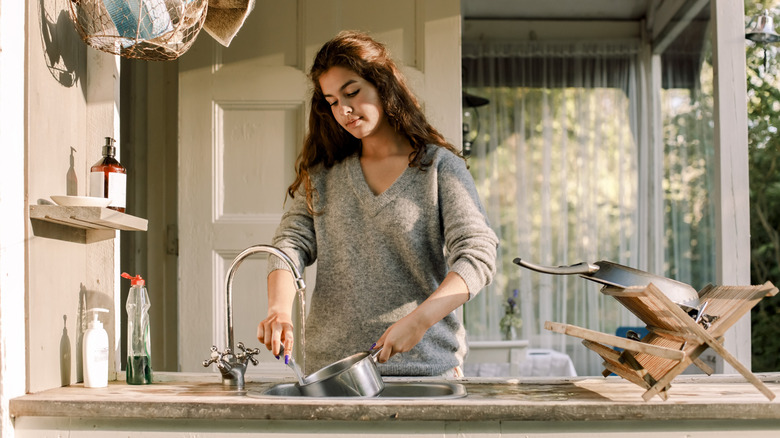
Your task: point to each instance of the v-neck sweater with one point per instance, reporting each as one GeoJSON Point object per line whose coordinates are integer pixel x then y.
{"type": "Point", "coordinates": [380, 256]}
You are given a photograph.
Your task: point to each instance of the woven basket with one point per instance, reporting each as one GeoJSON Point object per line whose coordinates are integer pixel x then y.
{"type": "Point", "coordinates": [154, 30]}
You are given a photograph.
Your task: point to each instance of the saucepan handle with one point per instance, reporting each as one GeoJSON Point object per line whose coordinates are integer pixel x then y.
{"type": "Point", "coordinates": [375, 353]}
{"type": "Point", "coordinates": [579, 268]}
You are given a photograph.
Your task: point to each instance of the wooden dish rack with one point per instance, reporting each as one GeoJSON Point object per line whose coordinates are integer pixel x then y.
{"type": "Point", "coordinates": [674, 340]}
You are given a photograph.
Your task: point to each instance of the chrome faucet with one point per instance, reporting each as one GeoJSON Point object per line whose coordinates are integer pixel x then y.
{"type": "Point", "coordinates": [233, 365]}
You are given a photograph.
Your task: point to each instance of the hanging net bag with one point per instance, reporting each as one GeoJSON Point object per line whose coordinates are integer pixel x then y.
{"type": "Point", "coordinates": [154, 30]}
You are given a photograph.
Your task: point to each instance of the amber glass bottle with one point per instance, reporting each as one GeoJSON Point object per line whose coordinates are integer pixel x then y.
{"type": "Point", "coordinates": [108, 178]}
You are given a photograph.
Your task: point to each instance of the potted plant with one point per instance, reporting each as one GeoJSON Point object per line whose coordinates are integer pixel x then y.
{"type": "Point", "coordinates": [511, 320]}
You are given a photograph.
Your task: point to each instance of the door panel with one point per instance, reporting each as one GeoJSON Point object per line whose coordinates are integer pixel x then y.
{"type": "Point", "coordinates": [243, 168]}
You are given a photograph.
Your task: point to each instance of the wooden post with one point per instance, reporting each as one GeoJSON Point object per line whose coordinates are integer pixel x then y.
{"type": "Point", "coordinates": [732, 215]}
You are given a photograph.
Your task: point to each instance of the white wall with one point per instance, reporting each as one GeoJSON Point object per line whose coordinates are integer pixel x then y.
{"type": "Point", "coordinates": [12, 200]}
{"type": "Point", "coordinates": [58, 97]}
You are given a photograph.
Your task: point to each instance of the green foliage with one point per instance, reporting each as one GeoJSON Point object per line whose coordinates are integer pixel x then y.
{"type": "Point", "coordinates": [764, 147]}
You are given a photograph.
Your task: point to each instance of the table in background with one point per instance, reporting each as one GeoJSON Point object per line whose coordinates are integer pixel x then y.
{"type": "Point", "coordinates": [515, 359]}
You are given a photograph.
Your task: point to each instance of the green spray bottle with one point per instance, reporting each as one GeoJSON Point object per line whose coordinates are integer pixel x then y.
{"type": "Point", "coordinates": [139, 357]}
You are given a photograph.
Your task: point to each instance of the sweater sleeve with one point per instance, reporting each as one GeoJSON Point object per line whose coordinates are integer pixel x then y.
{"type": "Point", "coordinates": [295, 236]}
{"type": "Point", "coordinates": [470, 242]}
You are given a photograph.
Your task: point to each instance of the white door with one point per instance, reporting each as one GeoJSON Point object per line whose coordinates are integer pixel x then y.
{"type": "Point", "coordinates": [242, 119]}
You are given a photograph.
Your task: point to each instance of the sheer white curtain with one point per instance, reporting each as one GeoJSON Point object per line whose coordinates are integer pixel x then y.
{"type": "Point", "coordinates": [555, 162]}
{"type": "Point", "coordinates": [687, 106]}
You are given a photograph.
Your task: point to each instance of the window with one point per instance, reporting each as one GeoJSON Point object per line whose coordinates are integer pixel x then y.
{"type": "Point", "coordinates": [555, 161]}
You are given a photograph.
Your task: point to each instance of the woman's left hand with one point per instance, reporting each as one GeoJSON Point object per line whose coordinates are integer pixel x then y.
{"type": "Point", "coordinates": [403, 335]}
{"type": "Point", "coordinates": [400, 337]}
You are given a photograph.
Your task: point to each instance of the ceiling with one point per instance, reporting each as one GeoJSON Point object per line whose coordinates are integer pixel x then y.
{"type": "Point", "coordinates": [555, 9]}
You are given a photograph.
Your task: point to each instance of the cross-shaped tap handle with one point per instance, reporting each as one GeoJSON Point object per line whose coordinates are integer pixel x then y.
{"type": "Point", "coordinates": [247, 354]}
{"type": "Point", "coordinates": [216, 356]}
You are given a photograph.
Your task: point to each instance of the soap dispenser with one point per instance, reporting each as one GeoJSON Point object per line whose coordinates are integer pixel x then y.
{"type": "Point", "coordinates": [108, 178]}
{"type": "Point", "coordinates": [95, 353]}
{"type": "Point", "coordinates": [139, 357]}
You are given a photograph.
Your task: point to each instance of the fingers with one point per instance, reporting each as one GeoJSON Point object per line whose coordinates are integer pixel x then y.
{"type": "Point", "coordinates": [265, 334]}
{"type": "Point", "coordinates": [288, 349]}
{"type": "Point", "coordinates": [261, 333]}
{"type": "Point", "coordinates": [276, 338]}
{"type": "Point", "coordinates": [384, 355]}
{"type": "Point", "coordinates": [274, 333]}
{"type": "Point", "coordinates": [387, 350]}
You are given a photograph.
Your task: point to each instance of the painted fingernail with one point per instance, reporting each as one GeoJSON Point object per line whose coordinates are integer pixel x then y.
{"type": "Point", "coordinates": [277, 357]}
{"type": "Point", "coordinates": [287, 359]}
{"type": "Point", "coordinates": [373, 346]}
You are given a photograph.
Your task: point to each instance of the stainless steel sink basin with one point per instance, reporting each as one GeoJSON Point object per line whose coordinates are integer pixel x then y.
{"type": "Point", "coordinates": [394, 390]}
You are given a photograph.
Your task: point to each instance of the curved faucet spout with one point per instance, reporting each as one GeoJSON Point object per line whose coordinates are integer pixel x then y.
{"type": "Point", "coordinates": [299, 283]}
{"type": "Point", "coordinates": [231, 363]}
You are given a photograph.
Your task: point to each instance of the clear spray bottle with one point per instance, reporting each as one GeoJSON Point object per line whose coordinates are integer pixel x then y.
{"type": "Point", "coordinates": [139, 357]}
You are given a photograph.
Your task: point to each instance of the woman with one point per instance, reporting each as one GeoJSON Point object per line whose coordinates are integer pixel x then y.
{"type": "Point", "coordinates": [388, 209]}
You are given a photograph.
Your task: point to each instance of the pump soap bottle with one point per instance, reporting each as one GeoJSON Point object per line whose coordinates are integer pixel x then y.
{"type": "Point", "coordinates": [108, 178]}
{"type": "Point", "coordinates": [95, 353]}
{"type": "Point", "coordinates": [139, 358]}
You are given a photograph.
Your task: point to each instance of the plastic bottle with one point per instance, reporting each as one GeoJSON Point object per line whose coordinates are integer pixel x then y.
{"type": "Point", "coordinates": [139, 357]}
{"type": "Point", "coordinates": [108, 178]}
{"type": "Point", "coordinates": [95, 353]}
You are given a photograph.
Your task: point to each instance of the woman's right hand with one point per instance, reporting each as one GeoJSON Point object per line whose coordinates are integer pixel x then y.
{"type": "Point", "coordinates": [277, 330]}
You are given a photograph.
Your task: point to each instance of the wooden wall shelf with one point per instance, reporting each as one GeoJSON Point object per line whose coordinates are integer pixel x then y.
{"type": "Point", "coordinates": [88, 218]}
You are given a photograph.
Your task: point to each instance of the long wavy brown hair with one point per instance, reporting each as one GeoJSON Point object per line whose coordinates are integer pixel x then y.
{"type": "Point", "coordinates": [327, 142]}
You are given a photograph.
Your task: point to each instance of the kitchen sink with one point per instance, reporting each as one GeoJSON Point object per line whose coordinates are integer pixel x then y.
{"type": "Point", "coordinates": [393, 390]}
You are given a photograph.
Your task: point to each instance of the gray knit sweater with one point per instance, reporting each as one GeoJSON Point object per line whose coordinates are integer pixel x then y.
{"type": "Point", "coordinates": [379, 256]}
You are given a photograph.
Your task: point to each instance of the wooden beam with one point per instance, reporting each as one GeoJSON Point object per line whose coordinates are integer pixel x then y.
{"type": "Point", "coordinates": [615, 341]}
{"type": "Point", "coordinates": [731, 194]}
{"type": "Point", "coordinates": [672, 18]}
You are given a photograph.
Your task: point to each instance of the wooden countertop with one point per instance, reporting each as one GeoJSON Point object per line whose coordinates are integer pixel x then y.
{"type": "Point", "coordinates": [201, 396]}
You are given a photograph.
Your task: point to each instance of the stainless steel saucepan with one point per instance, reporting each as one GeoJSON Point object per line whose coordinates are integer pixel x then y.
{"type": "Point", "coordinates": [356, 375]}
{"type": "Point", "coordinates": [612, 274]}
